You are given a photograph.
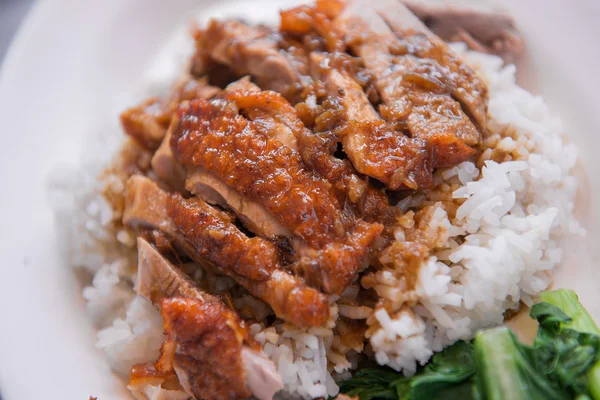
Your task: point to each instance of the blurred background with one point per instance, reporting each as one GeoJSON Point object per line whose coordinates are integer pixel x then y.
{"type": "Point", "coordinates": [11, 14]}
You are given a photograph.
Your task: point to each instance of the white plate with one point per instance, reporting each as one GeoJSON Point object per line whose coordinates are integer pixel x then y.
{"type": "Point", "coordinates": [74, 66]}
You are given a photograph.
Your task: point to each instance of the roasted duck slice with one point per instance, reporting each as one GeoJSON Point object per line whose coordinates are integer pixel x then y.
{"type": "Point", "coordinates": [254, 263]}
{"type": "Point", "coordinates": [372, 145]}
{"type": "Point", "coordinates": [249, 50]}
{"type": "Point", "coordinates": [163, 162]}
{"type": "Point", "coordinates": [214, 135]}
{"type": "Point", "coordinates": [214, 190]}
{"type": "Point", "coordinates": [462, 82]}
{"type": "Point", "coordinates": [481, 25]}
{"type": "Point", "coordinates": [253, 215]}
{"type": "Point", "coordinates": [147, 122]}
{"type": "Point", "coordinates": [209, 237]}
{"type": "Point", "coordinates": [208, 346]}
{"type": "Point", "coordinates": [417, 78]}
{"type": "Point", "coordinates": [141, 123]}
{"type": "Point", "coordinates": [277, 118]}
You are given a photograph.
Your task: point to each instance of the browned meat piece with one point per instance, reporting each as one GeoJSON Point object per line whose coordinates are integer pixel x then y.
{"type": "Point", "coordinates": [278, 119]}
{"type": "Point", "coordinates": [200, 231]}
{"type": "Point", "coordinates": [206, 227]}
{"type": "Point", "coordinates": [145, 211]}
{"type": "Point", "coordinates": [244, 84]}
{"type": "Point", "coordinates": [249, 50]}
{"type": "Point", "coordinates": [371, 204]}
{"type": "Point", "coordinates": [440, 120]}
{"type": "Point", "coordinates": [146, 206]}
{"type": "Point", "coordinates": [213, 136]}
{"type": "Point", "coordinates": [271, 114]}
{"type": "Point", "coordinates": [415, 78]}
{"type": "Point", "coordinates": [147, 122]}
{"type": "Point", "coordinates": [163, 161]}
{"type": "Point", "coordinates": [204, 349]}
{"type": "Point", "coordinates": [166, 166]}
{"type": "Point", "coordinates": [141, 123]}
{"type": "Point", "coordinates": [207, 358]}
{"type": "Point", "coordinates": [213, 190]}
{"type": "Point", "coordinates": [483, 27]}
{"type": "Point", "coordinates": [187, 88]}
{"type": "Point", "coordinates": [394, 159]}
{"type": "Point", "coordinates": [464, 84]}
{"type": "Point", "coordinates": [304, 20]}
{"type": "Point", "coordinates": [253, 215]}
{"type": "Point", "coordinates": [247, 369]}
{"type": "Point", "coordinates": [317, 154]}
{"type": "Point", "coordinates": [336, 265]}
{"type": "Point", "coordinates": [254, 262]}
{"type": "Point", "coordinates": [158, 279]}
{"type": "Point", "coordinates": [374, 148]}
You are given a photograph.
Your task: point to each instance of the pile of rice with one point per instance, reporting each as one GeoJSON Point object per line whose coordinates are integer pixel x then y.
{"type": "Point", "coordinates": [495, 230]}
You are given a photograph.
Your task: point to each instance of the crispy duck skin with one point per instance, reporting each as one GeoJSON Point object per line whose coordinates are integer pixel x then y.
{"type": "Point", "coordinates": [254, 262]}
{"type": "Point", "coordinates": [374, 147]}
{"type": "Point", "coordinates": [147, 122]}
{"type": "Point", "coordinates": [198, 230]}
{"type": "Point", "coordinates": [464, 84]}
{"type": "Point", "coordinates": [207, 358]}
{"type": "Point", "coordinates": [416, 78]}
{"type": "Point", "coordinates": [212, 135]}
{"type": "Point", "coordinates": [316, 154]}
{"type": "Point", "coordinates": [163, 161]}
{"type": "Point", "coordinates": [201, 316]}
{"type": "Point", "coordinates": [141, 123]}
{"type": "Point", "coordinates": [214, 190]}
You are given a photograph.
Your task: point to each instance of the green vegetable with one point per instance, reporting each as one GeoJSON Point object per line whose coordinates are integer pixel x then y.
{"type": "Point", "coordinates": [507, 369]}
{"type": "Point", "coordinates": [568, 302]}
{"type": "Point", "coordinates": [563, 354]}
{"type": "Point", "coordinates": [447, 376]}
{"type": "Point", "coordinates": [371, 383]}
{"type": "Point", "coordinates": [448, 372]}
{"type": "Point", "coordinates": [580, 321]}
{"type": "Point", "coordinates": [562, 363]}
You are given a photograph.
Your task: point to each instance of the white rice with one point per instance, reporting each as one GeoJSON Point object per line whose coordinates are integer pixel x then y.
{"type": "Point", "coordinates": [504, 240]}
{"type": "Point", "coordinates": [301, 357]}
{"type": "Point", "coordinates": [498, 250]}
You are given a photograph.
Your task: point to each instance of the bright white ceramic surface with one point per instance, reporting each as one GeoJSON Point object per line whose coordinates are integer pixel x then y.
{"type": "Point", "coordinates": [72, 68]}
